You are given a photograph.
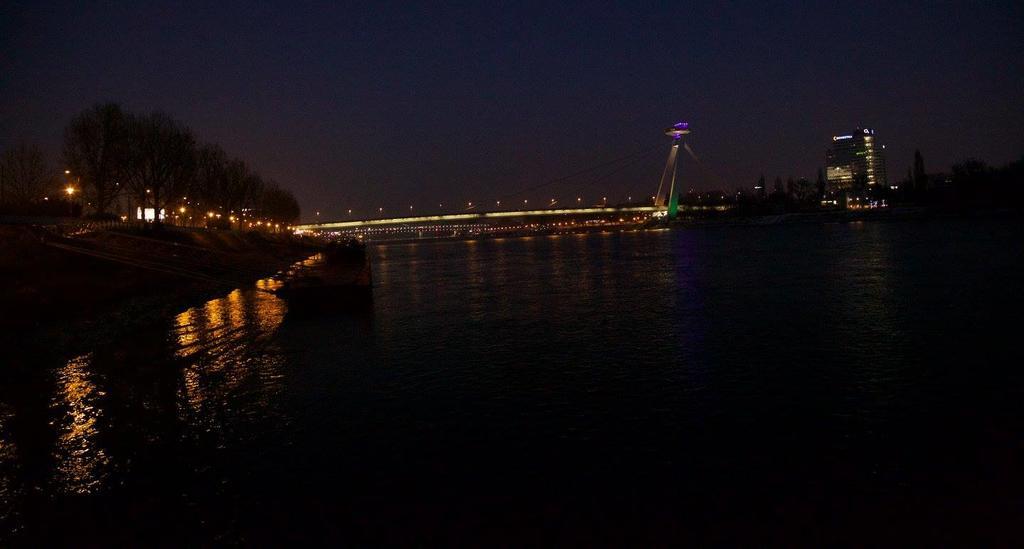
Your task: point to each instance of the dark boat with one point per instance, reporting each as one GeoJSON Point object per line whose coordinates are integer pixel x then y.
{"type": "Point", "coordinates": [339, 278]}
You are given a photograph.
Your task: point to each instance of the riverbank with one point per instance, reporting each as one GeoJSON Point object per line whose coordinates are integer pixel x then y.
{"type": "Point", "coordinates": [62, 298]}
{"type": "Point", "coordinates": [907, 213]}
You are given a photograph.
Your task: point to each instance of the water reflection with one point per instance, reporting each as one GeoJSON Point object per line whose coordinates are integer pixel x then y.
{"type": "Point", "coordinates": [229, 352]}
{"type": "Point", "coordinates": [9, 469]}
{"type": "Point", "coordinates": [81, 464]}
{"type": "Point", "coordinates": [137, 416]}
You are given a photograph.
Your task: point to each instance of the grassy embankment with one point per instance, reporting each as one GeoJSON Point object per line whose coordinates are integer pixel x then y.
{"type": "Point", "coordinates": [54, 294]}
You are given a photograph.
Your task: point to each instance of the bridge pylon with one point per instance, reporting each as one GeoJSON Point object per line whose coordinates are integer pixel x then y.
{"type": "Point", "coordinates": [676, 132]}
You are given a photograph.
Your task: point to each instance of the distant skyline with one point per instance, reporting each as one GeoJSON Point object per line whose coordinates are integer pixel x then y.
{"type": "Point", "coordinates": [392, 104]}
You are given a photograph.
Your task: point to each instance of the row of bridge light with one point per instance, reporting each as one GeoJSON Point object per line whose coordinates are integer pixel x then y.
{"type": "Point", "coordinates": [470, 204]}
{"type": "Point", "coordinates": [476, 226]}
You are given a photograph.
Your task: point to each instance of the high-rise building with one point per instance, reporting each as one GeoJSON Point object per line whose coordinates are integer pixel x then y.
{"type": "Point", "coordinates": [853, 157]}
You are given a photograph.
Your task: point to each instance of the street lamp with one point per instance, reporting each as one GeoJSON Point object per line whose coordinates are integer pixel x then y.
{"type": "Point", "coordinates": [71, 204]}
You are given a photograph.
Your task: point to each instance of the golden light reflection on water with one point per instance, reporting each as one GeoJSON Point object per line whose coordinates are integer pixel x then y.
{"type": "Point", "coordinates": [8, 467]}
{"type": "Point", "coordinates": [81, 464]}
{"type": "Point", "coordinates": [230, 354]}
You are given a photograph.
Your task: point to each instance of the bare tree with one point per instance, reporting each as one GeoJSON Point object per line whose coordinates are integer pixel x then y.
{"type": "Point", "coordinates": [278, 204]}
{"type": "Point", "coordinates": [242, 188]}
{"type": "Point", "coordinates": [24, 175]}
{"type": "Point", "coordinates": [231, 194]}
{"type": "Point", "coordinates": [161, 160]}
{"type": "Point", "coordinates": [158, 161]}
{"type": "Point", "coordinates": [252, 191]}
{"type": "Point", "coordinates": [95, 150]}
{"type": "Point", "coordinates": [211, 176]}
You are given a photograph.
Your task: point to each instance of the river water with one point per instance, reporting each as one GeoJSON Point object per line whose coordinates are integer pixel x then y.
{"type": "Point", "coordinates": [792, 383]}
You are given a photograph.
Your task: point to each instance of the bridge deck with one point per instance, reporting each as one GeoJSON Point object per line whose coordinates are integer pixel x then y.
{"type": "Point", "coordinates": [470, 216]}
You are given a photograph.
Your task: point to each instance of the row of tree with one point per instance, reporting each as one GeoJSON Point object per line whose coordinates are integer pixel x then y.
{"type": "Point", "coordinates": [152, 160]}
{"type": "Point", "coordinates": [792, 194]}
{"type": "Point", "coordinates": [971, 183]}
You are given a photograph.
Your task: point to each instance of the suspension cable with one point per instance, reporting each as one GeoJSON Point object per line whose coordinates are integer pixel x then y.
{"type": "Point", "coordinates": [584, 171]}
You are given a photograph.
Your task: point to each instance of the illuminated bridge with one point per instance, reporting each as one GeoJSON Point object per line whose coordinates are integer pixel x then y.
{"type": "Point", "coordinates": [494, 223]}
{"type": "Point", "coordinates": [665, 205]}
{"type": "Point", "coordinates": [478, 216]}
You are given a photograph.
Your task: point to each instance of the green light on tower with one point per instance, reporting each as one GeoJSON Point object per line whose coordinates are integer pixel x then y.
{"type": "Point", "coordinates": [673, 205]}
{"type": "Point", "coordinates": [676, 132]}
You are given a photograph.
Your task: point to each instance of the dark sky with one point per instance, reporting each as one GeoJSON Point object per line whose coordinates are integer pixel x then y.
{"type": "Point", "coordinates": [386, 105]}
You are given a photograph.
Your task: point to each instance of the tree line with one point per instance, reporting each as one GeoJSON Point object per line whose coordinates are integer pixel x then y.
{"type": "Point", "coordinates": [969, 184]}
{"type": "Point", "coordinates": [27, 182]}
{"type": "Point", "coordinates": [793, 194]}
{"type": "Point", "coordinates": [153, 161]}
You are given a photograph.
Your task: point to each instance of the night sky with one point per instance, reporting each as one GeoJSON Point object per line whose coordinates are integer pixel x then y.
{"type": "Point", "coordinates": [387, 105]}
